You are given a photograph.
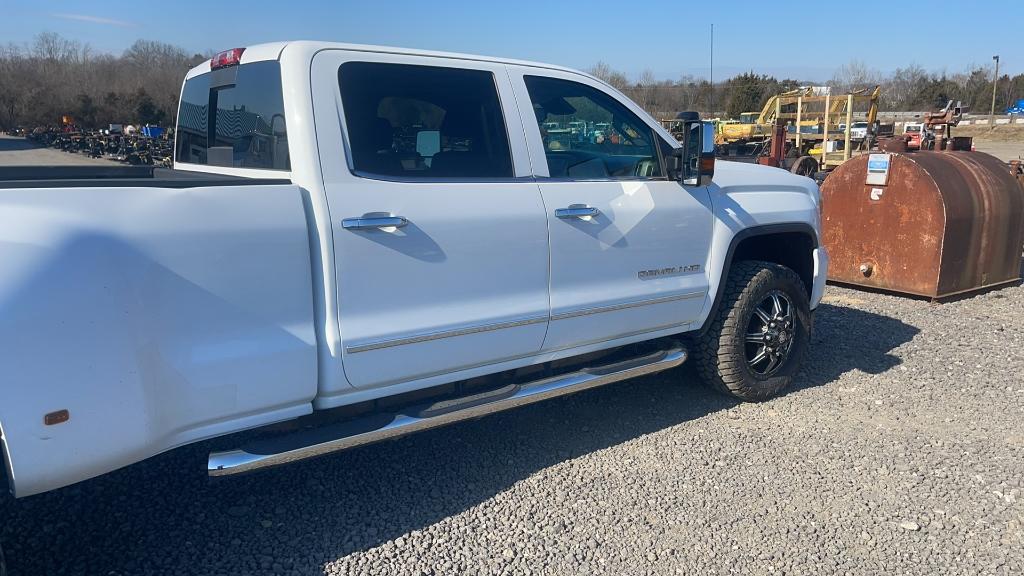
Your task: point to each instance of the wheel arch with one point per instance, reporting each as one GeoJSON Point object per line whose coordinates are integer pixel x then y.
{"type": "Point", "coordinates": [790, 244]}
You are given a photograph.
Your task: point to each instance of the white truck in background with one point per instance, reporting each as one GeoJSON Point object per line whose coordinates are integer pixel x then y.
{"type": "Point", "coordinates": [365, 242]}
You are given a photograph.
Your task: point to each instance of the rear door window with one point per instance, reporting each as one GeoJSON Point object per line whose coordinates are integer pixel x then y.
{"type": "Point", "coordinates": [246, 128]}
{"type": "Point", "coordinates": [413, 121]}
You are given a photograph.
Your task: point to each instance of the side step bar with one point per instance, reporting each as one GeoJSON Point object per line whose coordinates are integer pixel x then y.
{"type": "Point", "coordinates": [334, 437]}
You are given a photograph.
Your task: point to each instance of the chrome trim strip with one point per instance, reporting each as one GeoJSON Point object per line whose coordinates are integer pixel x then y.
{"type": "Point", "coordinates": [238, 461]}
{"type": "Point", "coordinates": [376, 345]}
{"type": "Point", "coordinates": [626, 305]}
{"type": "Point", "coordinates": [675, 325]}
{"type": "Point", "coordinates": [679, 326]}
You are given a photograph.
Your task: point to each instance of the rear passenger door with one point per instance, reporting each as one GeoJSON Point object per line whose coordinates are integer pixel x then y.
{"type": "Point", "coordinates": [628, 245]}
{"type": "Point", "coordinates": [440, 236]}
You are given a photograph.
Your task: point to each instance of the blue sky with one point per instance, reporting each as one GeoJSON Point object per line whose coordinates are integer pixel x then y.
{"type": "Point", "coordinates": [669, 38]}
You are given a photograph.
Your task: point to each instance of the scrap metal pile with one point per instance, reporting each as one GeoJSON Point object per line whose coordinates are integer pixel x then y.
{"type": "Point", "coordinates": [135, 149]}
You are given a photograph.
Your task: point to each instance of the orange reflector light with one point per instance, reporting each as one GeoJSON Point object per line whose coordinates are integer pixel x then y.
{"type": "Point", "coordinates": [707, 164]}
{"type": "Point", "coordinates": [57, 417]}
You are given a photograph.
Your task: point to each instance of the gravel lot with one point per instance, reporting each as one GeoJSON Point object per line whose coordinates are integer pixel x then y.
{"type": "Point", "coordinates": [1005, 151]}
{"type": "Point", "coordinates": [16, 151]}
{"type": "Point", "coordinates": [900, 451]}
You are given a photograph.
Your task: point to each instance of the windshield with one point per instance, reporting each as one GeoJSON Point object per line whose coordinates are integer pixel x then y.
{"type": "Point", "coordinates": [913, 129]}
{"type": "Point", "coordinates": [247, 129]}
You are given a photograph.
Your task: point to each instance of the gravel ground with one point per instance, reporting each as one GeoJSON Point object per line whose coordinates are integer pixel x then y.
{"type": "Point", "coordinates": [1005, 151]}
{"type": "Point", "coordinates": [16, 151]}
{"type": "Point", "coordinates": [899, 451]}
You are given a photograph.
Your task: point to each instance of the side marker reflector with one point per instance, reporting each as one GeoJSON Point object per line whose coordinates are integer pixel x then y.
{"type": "Point", "coordinates": [58, 417]}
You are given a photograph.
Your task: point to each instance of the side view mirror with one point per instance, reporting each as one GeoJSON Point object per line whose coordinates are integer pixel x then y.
{"type": "Point", "coordinates": [694, 162]}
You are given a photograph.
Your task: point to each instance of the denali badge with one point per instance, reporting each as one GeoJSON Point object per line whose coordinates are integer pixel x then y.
{"type": "Point", "coordinates": [673, 271]}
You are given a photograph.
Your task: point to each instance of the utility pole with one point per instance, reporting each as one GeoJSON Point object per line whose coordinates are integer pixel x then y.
{"type": "Point", "coordinates": [711, 74]}
{"type": "Point", "coordinates": [995, 81]}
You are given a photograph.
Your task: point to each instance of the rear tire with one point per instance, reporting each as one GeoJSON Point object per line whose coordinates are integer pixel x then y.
{"type": "Point", "coordinates": [805, 166]}
{"type": "Point", "coordinates": [759, 336]}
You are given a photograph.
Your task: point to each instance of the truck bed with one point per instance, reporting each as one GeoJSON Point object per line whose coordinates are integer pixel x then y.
{"type": "Point", "coordinates": [119, 176]}
{"type": "Point", "coordinates": [192, 305]}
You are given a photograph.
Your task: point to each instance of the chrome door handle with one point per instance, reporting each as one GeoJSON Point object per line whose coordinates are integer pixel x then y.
{"type": "Point", "coordinates": [374, 220]}
{"type": "Point", "coordinates": [577, 211]}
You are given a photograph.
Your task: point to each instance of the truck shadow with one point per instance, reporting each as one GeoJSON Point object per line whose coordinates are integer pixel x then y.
{"type": "Point", "coordinates": [164, 516]}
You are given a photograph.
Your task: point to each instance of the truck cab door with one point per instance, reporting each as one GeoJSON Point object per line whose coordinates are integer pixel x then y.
{"type": "Point", "coordinates": [629, 246]}
{"type": "Point", "coordinates": [440, 235]}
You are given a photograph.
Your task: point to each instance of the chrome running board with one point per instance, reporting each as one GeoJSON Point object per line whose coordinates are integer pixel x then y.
{"type": "Point", "coordinates": [366, 430]}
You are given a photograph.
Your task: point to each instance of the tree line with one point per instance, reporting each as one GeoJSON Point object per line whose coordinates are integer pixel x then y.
{"type": "Point", "coordinates": [907, 89]}
{"type": "Point", "coordinates": [53, 76]}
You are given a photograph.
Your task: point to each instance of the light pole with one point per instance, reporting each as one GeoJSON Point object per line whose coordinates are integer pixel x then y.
{"type": "Point", "coordinates": [995, 81]}
{"type": "Point", "coordinates": [711, 73]}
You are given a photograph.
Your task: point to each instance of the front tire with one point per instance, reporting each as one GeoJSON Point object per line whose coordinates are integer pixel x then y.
{"type": "Point", "coordinates": [759, 336]}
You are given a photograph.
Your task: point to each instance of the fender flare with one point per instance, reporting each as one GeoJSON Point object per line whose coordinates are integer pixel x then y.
{"type": "Point", "coordinates": [747, 233]}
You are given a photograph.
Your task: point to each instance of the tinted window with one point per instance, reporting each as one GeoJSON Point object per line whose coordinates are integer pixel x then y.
{"type": "Point", "coordinates": [248, 128]}
{"type": "Point", "coordinates": [424, 121]}
{"type": "Point", "coordinates": [587, 134]}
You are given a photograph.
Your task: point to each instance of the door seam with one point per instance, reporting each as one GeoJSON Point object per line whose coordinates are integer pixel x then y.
{"type": "Point", "coordinates": [540, 193]}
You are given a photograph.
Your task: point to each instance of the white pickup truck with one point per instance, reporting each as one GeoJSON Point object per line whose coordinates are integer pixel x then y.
{"type": "Point", "coordinates": [362, 242]}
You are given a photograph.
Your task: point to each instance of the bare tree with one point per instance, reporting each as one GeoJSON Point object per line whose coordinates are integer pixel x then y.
{"type": "Point", "coordinates": [52, 77]}
{"type": "Point", "coordinates": [603, 71]}
{"type": "Point", "coordinates": [902, 87]}
{"type": "Point", "coordinates": [645, 88]}
{"type": "Point", "coordinates": [855, 75]}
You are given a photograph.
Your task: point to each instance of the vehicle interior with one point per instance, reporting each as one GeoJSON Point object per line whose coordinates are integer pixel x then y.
{"type": "Point", "coordinates": [424, 122]}
{"type": "Point", "coordinates": [592, 150]}
{"type": "Point", "coordinates": [587, 135]}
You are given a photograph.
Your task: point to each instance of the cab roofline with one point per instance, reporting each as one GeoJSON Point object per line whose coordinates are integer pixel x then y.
{"type": "Point", "coordinates": [273, 50]}
{"type": "Point", "coordinates": [254, 53]}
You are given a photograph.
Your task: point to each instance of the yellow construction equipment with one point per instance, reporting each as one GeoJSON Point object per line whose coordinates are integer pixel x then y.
{"type": "Point", "coordinates": [809, 113]}
{"type": "Point", "coordinates": [749, 128]}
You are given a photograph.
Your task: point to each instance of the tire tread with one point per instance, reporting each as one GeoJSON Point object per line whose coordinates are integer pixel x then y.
{"type": "Point", "coordinates": [716, 363]}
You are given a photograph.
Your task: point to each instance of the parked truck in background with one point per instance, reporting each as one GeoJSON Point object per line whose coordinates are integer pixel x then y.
{"type": "Point", "coordinates": [858, 130]}
{"type": "Point", "coordinates": [364, 242]}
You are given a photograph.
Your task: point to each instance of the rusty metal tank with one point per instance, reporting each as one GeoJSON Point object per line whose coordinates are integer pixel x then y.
{"type": "Point", "coordinates": [926, 223]}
